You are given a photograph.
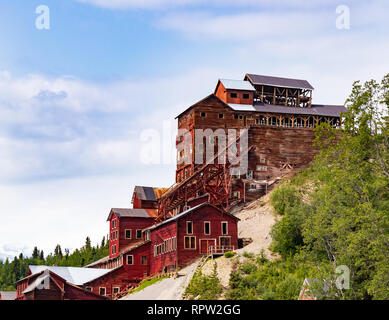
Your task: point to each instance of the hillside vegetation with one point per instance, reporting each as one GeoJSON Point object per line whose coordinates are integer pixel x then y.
{"type": "Point", "coordinates": [334, 214]}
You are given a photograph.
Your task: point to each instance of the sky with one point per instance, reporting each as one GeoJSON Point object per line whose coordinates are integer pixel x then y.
{"type": "Point", "coordinates": [87, 106]}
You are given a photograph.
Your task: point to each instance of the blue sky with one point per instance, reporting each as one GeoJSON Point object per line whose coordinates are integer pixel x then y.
{"type": "Point", "coordinates": [76, 99]}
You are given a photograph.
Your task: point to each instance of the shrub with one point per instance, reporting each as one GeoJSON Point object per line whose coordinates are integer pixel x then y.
{"type": "Point", "coordinates": [248, 255]}
{"type": "Point", "coordinates": [229, 254]}
{"type": "Point", "coordinates": [203, 287]}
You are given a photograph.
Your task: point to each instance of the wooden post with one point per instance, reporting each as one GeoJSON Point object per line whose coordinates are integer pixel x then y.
{"type": "Point", "coordinates": [274, 96]}
{"type": "Point", "coordinates": [286, 97]}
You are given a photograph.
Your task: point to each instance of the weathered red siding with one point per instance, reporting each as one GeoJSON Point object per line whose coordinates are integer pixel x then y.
{"type": "Point", "coordinates": [168, 259]}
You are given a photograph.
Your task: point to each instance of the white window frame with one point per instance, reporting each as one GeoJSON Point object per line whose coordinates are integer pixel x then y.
{"type": "Point", "coordinates": [191, 222]}
{"type": "Point", "coordinates": [105, 291]}
{"type": "Point", "coordinates": [137, 233]}
{"type": "Point", "coordinates": [195, 242]}
{"type": "Point", "coordinates": [113, 290]}
{"type": "Point", "coordinates": [226, 223]}
{"type": "Point", "coordinates": [209, 223]}
{"type": "Point", "coordinates": [125, 233]}
{"type": "Point", "coordinates": [132, 257]}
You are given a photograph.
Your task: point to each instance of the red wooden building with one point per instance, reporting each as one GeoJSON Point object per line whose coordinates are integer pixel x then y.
{"type": "Point", "coordinates": [125, 227]}
{"type": "Point", "coordinates": [201, 230]}
{"type": "Point", "coordinates": [60, 283]}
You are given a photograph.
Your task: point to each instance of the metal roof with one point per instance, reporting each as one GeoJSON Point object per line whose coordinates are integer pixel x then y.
{"type": "Point", "coordinates": [237, 84]}
{"type": "Point", "coordinates": [257, 79]}
{"type": "Point", "coordinates": [316, 109]}
{"type": "Point", "coordinates": [145, 193]}
{"type": "Point", "coordinates": [133, 213]}
{"type": "Point", "coordinates": [8, 295]}
{"type": "Point", "coordinates": [74, 275]}
{"type": "Point", "coordinates": [178, 216]}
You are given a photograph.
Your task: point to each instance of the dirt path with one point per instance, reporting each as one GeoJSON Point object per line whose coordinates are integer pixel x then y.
{"type": "Point", "coordinates": [166, 289]}
{"type": "Point", "coordinates": [256, 221]}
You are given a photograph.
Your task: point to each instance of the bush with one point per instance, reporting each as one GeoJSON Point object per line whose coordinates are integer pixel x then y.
{"type": "Point", "coordinates": [204, 287]}
{"type": "Point", "coordinates": [284, 196]}
{"type": "Point", "coordinates": [229, 254]}
{"type": "Point", "coordinates": [248, 255]}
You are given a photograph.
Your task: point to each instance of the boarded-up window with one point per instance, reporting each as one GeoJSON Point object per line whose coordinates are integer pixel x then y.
{"type": "Point", "coordinates": [144, 260]}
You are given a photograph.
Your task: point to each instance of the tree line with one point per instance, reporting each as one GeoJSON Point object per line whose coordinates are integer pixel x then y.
{"type": "Point", "coordinates": [14, 270]}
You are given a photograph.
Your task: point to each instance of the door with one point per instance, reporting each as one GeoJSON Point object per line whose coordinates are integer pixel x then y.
{"type": "Point", "coordinates": [205, 244]}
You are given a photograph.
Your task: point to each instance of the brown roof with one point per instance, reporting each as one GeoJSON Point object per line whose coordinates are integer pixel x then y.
{"type": "Point", "coordinates": [132, 213]}
{"type": "Point", "coordinates": [257, 79]}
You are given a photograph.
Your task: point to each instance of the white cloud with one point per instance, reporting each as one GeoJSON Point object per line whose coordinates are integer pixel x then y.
{"type": "Point", "coordinates": [164, 4]}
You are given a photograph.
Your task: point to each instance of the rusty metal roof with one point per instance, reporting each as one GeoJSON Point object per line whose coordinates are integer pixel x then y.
{"type": "Point", "coordinates": [149, 193]}
{"type": "Point", "coordinates": [257, 79]}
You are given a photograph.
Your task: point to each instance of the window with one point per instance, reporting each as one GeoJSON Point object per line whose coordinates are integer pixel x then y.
{"type": "Point", "coordinates": [130, 259]}
{"type": "Point", "coordinates": [147, 235]}
{"type": "Point", "coordinates": [221, 115]}
{"type": "Point", "coordinates": [116, 290]}
{"type": "Point", "coordinates": [128, 234]}
{"type": "Point", "coordinates": [144, 260]}
{"type": "Point", "coordinates": [236, 194]}
{"type": "Point", "coordinates": [139, 234]}
{"type": "Point", "coordinates": [190, 242]}
{"type": "Point", "coordinates": [203, 114]}
{"type": "Point", "coordinates": [250, 174]}
{"type": "Point", "coordinates": [224, 227]}
{"type": "Point", "coordinates": [189, 227]}
{"type": "Point", "coordinates": [261, 168]}
{"type": "Point", "coordinates": [233, 95]}
{"type": "Point", "coordinates": [88, 288]}
{"type": "Point", "coordinates": [155, 251]}
{"type": "Point", "coordinates": [263, 160]}
{"type": "Point", "coordinates": [236, 116]}
{"type": "Point", "coordinates": [246, 96]}
{"type": "Point", "coordinates": [207, 228]}
{"type": "Point", "coordinates": [102, 291]}
{"type": "Point", "coordinates": [253, 186]}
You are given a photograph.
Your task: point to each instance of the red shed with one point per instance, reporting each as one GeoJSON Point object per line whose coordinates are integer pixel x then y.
{"type": "Point", "coordinates": [200, 230]}
{"type": "Point", "coordinates": [130, 267]}
{"type": "Point", "coordinates": [58, 283]}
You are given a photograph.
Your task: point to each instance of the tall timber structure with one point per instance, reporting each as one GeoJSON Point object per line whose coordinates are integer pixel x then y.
{"type": "Point", "coordinates": [279, 116]}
